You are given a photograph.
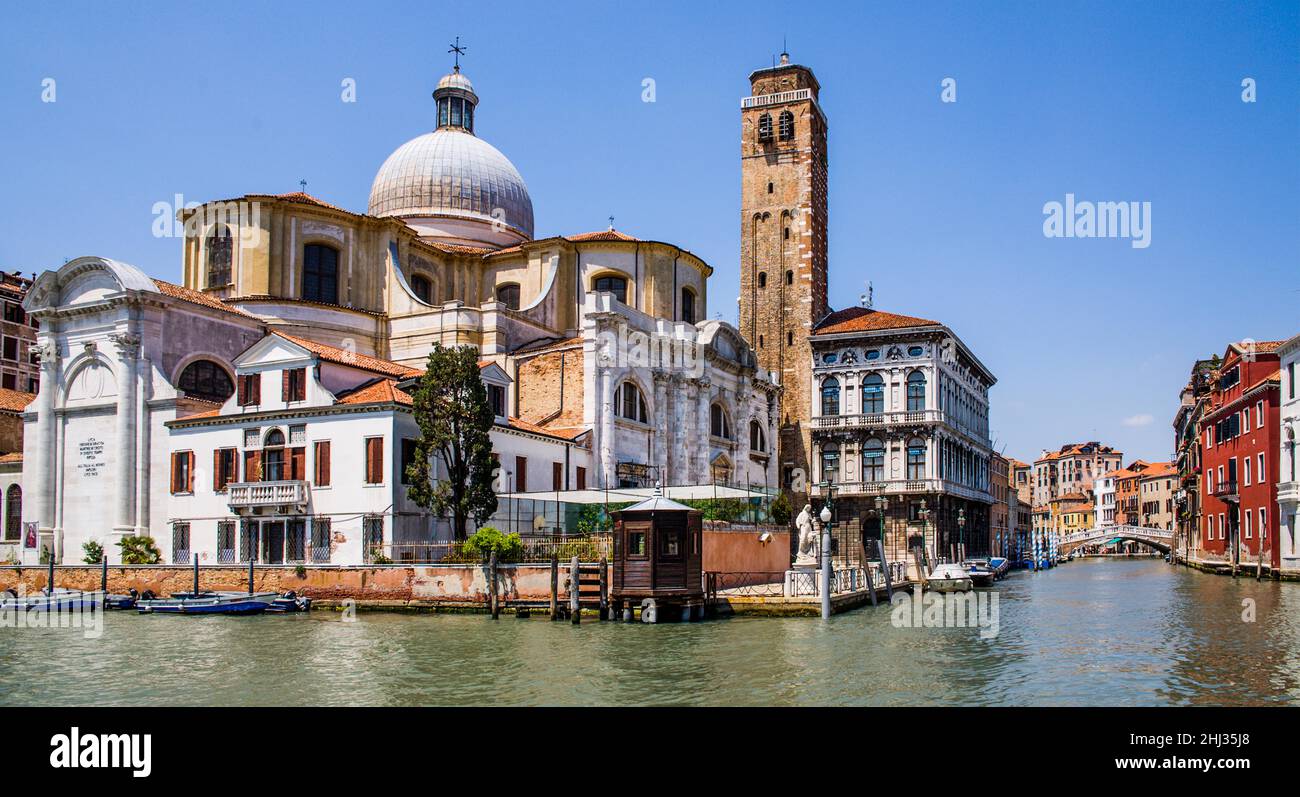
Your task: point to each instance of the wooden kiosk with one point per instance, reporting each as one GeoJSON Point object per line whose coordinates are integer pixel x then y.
{"type": "Point", "coordinates": [658, 556]}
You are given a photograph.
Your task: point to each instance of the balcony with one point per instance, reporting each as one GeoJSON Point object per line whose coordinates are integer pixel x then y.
{"type": "Point", "coordinates": [1225, 491]}
{"type": "Point", "coordinates": [260, 495]}
{"type": "Point", "coordinates": [1289, 491]}
{"type": "Point", "coordinates": [904, 487]}
{"type": "Point", "coordinates": [875, 421]}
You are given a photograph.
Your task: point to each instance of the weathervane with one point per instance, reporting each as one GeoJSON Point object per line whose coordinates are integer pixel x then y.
{"type": "Point", "coordinates": [459, 50]}
{"type": "Point", "coordinates": [303, 183]}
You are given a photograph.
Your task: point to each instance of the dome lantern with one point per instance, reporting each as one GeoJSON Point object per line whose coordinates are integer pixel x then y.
{"type": "Point", "coordinates": [456, 100]}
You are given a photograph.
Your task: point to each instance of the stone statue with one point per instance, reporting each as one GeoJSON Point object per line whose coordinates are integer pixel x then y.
{"type": "Point", "coordinates": [807, 556]}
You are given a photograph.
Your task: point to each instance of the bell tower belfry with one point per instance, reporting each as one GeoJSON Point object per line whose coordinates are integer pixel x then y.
{"type": "Point", "coordinates": [783, 239]}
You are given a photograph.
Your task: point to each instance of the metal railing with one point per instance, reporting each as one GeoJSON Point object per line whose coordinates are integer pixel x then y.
{"type": "Point", "coordinates": [755, 584]}
{"type": "Point", "coordinates": [876, 419]}
{"type": "Point", "coordinates": [1224, 489]}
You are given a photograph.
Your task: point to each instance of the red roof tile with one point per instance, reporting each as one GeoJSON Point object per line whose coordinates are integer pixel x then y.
{"type": "Point", "coordinates": [861, 319]}
{"type": "Point", "coordinates": [195, 297]}
{"type": "Point", "coordinates": [344, 357]}
{"type": "Point", "coordinates": [601, 235]}
{"type": "Point", "coordinates": [15, 400]}
{"type": "Point", "coordinates": [383, 391]}
{"type": "Point", "coordinates": [567, 433]}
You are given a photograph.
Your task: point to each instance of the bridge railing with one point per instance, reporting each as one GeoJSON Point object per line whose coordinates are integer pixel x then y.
{"type": "Point", "coordinates": [1139, 532]}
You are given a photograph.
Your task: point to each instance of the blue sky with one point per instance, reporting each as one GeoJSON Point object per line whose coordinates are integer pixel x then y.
{"type": "Point", "coordinates": [940, 205]}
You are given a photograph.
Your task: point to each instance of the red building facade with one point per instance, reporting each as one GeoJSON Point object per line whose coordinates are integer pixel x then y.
{"type": "Point", "coordinates": [1240, 443]}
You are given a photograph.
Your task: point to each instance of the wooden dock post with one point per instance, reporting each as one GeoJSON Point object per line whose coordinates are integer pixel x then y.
{"type": "Point", "coordinates": [196, 575]}
{"type": "Point", "coordinates": [555, 586]}
{"type": "Point", "coordinates": [604, 589]}
{"type": "Point", "coordinates": [1259, 562]}
{"type": "Point", "coordinates": [103, 572]}
{"type": "Point", "coordinates": [250, 574]}
{"type": "Point", "coordinates": [920, 571]}
{"type": "Point", "coordinates": [871, 587]}
{"type": "Point", "coordinates": [492, 586]}
{"type": "Point", "coordinates": [575, 606]}
{"type": "Point", "coordinates": [884, 566]}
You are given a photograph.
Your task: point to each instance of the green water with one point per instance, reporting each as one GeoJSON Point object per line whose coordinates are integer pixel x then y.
{"type": "Point", "coordinates": [1094, 632]}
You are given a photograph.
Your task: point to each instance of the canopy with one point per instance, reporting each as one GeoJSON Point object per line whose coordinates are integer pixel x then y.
{"type": "Point", "coordinates": [689, 492]}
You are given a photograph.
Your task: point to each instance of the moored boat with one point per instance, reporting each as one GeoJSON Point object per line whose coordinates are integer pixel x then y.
{"type": "Point", "coordinates": [208, 603]}
{"type": "Point", "coordinates": [980, 571]}
{"type": "Point", "coordinates": [61, 600]}
{"type": "Point", "coordinates": [290, 602]}
{"type": "Point", "coordinates": [1001, 566]}
{"type": "Point", "coordinates": [949, 578]}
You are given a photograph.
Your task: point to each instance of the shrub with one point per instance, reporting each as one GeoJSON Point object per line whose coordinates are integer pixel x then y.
{"type": "Point", "coordinates": [508, 547]}
{"type": "Point", "coordinates": [139, 549]}
{"type": "Point", "coordinates": [781, 510]}
{"type": "Point", "coordinates": [94, 552]}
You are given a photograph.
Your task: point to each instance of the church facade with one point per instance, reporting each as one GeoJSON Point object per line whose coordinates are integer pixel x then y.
{"type": "Point", "coordinates": [594, 347]}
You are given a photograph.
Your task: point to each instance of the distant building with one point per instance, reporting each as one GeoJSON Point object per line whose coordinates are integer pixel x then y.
{"type": "Point", "coordinates": [1000, 513]}
{"type": "Point", "coordinates": [1072, 468]}
{"type": "Point", "coordinates": [1156, 488]}
{"type": "Point", "coordinates": [1128, 484]}
{"type": "Point", "coordinates": [19, 369]}
{"type": "Point", "coordinates": [900, 410]}
{"type": "Point", "coordinates": [1072, 513]}
{"type": "Point", "coordinates": [1194, 399]}
{"type": "Point", "coordinates": [1240, 432]}
{"type": "Point", "coordinates": [1020, 503]}
{"type": "Point", "coordinates": [1288, 484]}
{"type": "Point", "coordinates": [1104, 500]}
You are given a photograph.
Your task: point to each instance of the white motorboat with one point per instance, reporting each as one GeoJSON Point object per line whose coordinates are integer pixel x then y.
{"type": "Point", "coordinates": [949, 578]}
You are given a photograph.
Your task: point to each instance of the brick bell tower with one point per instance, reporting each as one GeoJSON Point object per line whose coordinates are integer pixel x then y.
{"type": "Point", "coordinates": [783, 240]}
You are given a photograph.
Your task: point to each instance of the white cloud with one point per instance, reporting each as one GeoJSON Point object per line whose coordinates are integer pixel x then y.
{"type": "Point", "coordinates": [1143, 419]}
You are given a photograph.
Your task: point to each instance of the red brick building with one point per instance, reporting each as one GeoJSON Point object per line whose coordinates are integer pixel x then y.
{"type": "Point", "coordinates": [1240, 443]}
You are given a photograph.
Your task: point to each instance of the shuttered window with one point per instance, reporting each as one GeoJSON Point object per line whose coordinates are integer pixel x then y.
{"type": "Point", "coordinates": [249, 388]}
{"type": "Point", "coordinates": [252, 466]}
{"type": "Point", "coordinates": [224, 470]}
{"type": "Point", "coordinates": [183, 472]}
{"type": "Point", "coordinates": [374, 460]}
{"type": "Point", "coordinates": [322, 456]}
{"type": "Point", "coordinates": [298, 463]}
{"type": "Point", "coordinates": [293, 384]}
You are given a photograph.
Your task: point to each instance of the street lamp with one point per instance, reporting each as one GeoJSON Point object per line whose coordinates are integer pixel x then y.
{"type": "Point", "coordinates": [825, 517]}
{"type": "Point", "coordinates": [961, 528]}
{"type": "Point", "coordinates": [924, 514]}
{"type": "Point", "coordinates": [882, 503]}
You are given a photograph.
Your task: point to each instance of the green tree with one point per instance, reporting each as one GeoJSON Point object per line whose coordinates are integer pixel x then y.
{"type": "Point", "coordinates": [94, 552]}
{"type": "Point", "coordinates": [139, 549]}
{"type": "Point", "coordinates": [451, 407]}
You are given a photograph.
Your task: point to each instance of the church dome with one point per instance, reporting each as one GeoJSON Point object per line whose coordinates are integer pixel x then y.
{"type": "Point", "coordinates": [454, 176]}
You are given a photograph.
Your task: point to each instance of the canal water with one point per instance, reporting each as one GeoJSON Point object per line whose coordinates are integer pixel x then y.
{"type": "Point", "coordinates": [1093, 632]}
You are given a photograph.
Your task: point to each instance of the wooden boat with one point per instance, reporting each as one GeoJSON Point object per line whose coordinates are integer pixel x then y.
{"type": "Point", "coordinates": [208, 603]}
{"type": "Point", "coordinates": [61, 600]}
{"type": "Point", "coordinates": [980, 571]}
{"type": "Point", "coordinates": [949, 578]}
{"type": "Point", "coordinates": [1001, 566]}
{"type": "Point", "coordinates": [289, 603]}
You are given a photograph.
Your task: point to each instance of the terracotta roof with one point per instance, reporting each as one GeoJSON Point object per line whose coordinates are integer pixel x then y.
{"type": "Point", "coordinates": [525, 426]}
{"type": "Point", "coordinates": [861, 319]}
{"type": "Point", "coordinates": [1159, 469]}
{"type": "Point", "coordinates": [382, 391]}
{"type": "Point", "coordinates": [15, 400]}
{"type": "Point", "coordinates": [266, 297]}
{"type": "Point", "coordinates": [195, 297]}
{"type": "Point", "coordinates": [10, 458]}
{"type": "Point", "coordinates": [460, 249]}
{"type": "Point", "coordinates": [601, 235]}
{"type": "Point", "coordinates": [307, 199]}
{"type": "Point", "coordinates": [538, 347]}
{"type": "Point", "coordinates": [344, 357]}
{"type": "Point", "coordinates": [1276, 376]}
{"type": "Point", "coordinates": [1260, 346]}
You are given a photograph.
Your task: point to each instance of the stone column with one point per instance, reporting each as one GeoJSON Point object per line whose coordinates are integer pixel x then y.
{"type": "Point", "coordinates": [662, 443]}
{"type": "Point", "coordinates": [605, 444]}
{"type": "Point", "coordinates": [679, 462]}
{"type": "Point", "coordinates": [128, 347]}
{"type": "Point", "coordinates": [43, 472]}
{"type": "Point", "coordinates": [702, 432]}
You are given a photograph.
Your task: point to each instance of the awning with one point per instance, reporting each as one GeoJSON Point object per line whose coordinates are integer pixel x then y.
{"type": "Point", "coordinates": [690, 492]}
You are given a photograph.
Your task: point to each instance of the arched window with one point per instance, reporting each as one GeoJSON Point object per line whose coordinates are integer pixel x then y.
{"type": "Point", "coordinates": [916, 458]}
{"type": "Point", "coordinates": [612, 284]}
{"type": "Point", "coordinates": [915, 391]}
{"type": "Point", "coordinates": [13, 512]}
{"type": "Point", "coordinates": [762, 279]}
{"type": "Point", "coordinates": [719, 423]}
{"type": "Point", "coordinates": [320, 274]}
{"type": "Point", "coordinates": [831, 463]}
{"type": "Point", "coordinates": [765, 127]}
{"type": "Point", "coordinates": [688, 305]}
{"type": "Point", "coordinates": [422, 288]}
{"type": "Point", "coordinates": [757, 442]}
{"type": "Point", "coordinates": [831, 396]}
{"type": "Point", "coordinates": [631, 404]}
{"type": "Point", "coordinates": [205, 379]}
{"type": "Point", "coordinates": [873, 461]}
{"type": "Point", "coordinates": [508, 295]}
{"type": "Point", "coordinates": [220, 246]}
{"type": "Point", "coordinates": [785, 125]}
{"type": "Point", "coordinates": [273, 456]}
{"type": "Point", "coordinates": [873, 395]}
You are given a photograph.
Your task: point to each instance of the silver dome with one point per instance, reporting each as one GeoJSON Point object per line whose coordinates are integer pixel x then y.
{"type": "Point", "coordinates": [452, 173]}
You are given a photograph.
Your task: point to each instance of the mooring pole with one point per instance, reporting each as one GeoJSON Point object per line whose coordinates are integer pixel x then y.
{"type": "Point", "coordinates": [250, 575]}
{"type": "Point", "coordinates": [492, 575]}
{"type": "Point", "coordinates": [555, 586]}
{"type": "Point", "coordinates": [604, 589]}
{"type": "Point", "coordinates": [826, 571]}
{"type": "Point", "coordinates": [871, 586]}
{"type": "Point", "coordinates": [196, 575]}
{"type": "Point", "coordinates": [103, 572]}
{"type": "Point", "coordinates": [884, 566]}
{"type": "Point", "coordinates": [575, 606]}
{"type": "Point", "coordinates": [49, 580]}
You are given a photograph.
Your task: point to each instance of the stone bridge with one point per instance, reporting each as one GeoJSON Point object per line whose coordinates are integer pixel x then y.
{"type": "Point", "coordinates": [1160, 539]}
